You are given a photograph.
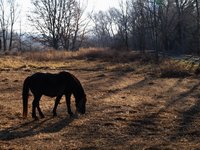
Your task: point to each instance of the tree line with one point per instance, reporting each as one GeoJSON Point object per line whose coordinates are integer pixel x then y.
{"type": "Point", "coordinates": [160, 25]}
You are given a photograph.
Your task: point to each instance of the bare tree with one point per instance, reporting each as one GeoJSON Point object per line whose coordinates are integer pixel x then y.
{"type": "Point", "coordinates": [4, 23]}
{"type": "Point", "coordinates": [167, 17]}
{"type": "Point", "coordinates": [14, 12]}
{"type": "Point", "coordinates": [58, 21]}
{"type": "Point", "coordinates": [46, 19]}
{"type": "Point", "coordinates": [9, 11]}
{"type": "Point", "coordinates": [138, 23]}
{"type": "Point", "coordinates": [184, 9]}
{"type": "Point", "coordinates": [80, 24]}
{"type": "Point", "coordinates": [101, 28]}
{"type": "Point", "coordinates": [198, 25]}
{"type": "Point", "coordinates": [112, 28]}
{"type": "Point", "coordinates": [67, 27]}
{"type": "Point", "coordinates": [162, 25]}
{"type": "Point", "coordinates": [123, 23]}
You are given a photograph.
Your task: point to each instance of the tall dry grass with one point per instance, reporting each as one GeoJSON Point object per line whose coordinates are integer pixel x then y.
{"type": "Point", "coordinates": [167, 68]}
{"type": "Point", "coordinates": [170, 68]}
{"type": "Point", "coordinates": [87, 53]}
{"type": "Point", "coordinates": [49, 55]}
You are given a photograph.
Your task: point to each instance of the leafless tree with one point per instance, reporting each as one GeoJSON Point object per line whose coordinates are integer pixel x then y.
{"type": "Point", "coordinates": [102, 28]}
{"type": "Point", "coordinates": [4, 23]}
{"type": "Point", "coordinates": [162, 25]}
{"type": "Point", "coordinates": [139, 23]}
{"type": "Point", "coordinates": [14, 12]}
{"type": "Point", "coordinates": [112, 27]}
{"type": "Point", "coordinates": [58, 21]}
{"type": "Point", "coordinates": [123, 23]}
{"type": "Point", "coordinates": [198, 24]}
{"type": "Point", "coordinates": [9, 12]}
{"type": "Point", "coordinates": [80, 25]}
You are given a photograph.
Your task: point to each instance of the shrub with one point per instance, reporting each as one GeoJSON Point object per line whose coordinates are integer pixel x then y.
{"type": "Point", "coordinates": [174, 69]}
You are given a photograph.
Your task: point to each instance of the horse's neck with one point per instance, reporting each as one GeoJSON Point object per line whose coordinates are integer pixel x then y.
{"type": "Point", "coordinates": [77, 90]}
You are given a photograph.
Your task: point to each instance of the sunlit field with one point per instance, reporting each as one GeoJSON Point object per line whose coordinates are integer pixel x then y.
{"type": "Point", "coordinates": [133, 103]}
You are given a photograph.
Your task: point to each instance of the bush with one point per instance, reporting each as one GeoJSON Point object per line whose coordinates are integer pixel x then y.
{"type": "Point", "coordinates": [174, 69]}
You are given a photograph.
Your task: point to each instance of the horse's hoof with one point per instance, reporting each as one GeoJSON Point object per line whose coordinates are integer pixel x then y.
{"type": "Point", "coordinates": [42, 117]}
{"type": "Point", "coordinates": [54, 114]}
{"type": "Point", "coordinates": [36, 118]}
{"type": "Point", "coordinates": [71, 115]}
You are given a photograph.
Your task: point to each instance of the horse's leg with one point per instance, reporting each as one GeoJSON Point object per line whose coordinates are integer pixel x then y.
{"type": "Point", "coordinates": [35, 104]}
{"type": "Point", "coordinates": [57, 101]}
{"type": "Point", "coordinates": [39, 110]}
{"type": "Point", "coordinates": [68, 102]}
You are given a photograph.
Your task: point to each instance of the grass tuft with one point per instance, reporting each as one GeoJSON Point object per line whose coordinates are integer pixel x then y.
{"type": "Point", "coordinates": [174, 69]}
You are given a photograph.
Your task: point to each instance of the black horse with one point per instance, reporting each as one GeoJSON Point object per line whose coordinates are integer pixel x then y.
{"type": "Point", "coordinates": [53, 85]}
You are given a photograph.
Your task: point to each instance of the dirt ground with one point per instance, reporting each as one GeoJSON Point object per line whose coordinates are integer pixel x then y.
{"type": "Point", "coordinates": [126, 109]}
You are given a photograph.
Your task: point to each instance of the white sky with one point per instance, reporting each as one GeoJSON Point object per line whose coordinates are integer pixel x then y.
{"type": "Point", "coordinates": [93, 5]}
{"type": "Point", "coordinates": [101, 4]}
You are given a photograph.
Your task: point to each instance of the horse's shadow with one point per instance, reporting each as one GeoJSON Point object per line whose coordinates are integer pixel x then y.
{"type": "Point", "coordinates": [31, 128]}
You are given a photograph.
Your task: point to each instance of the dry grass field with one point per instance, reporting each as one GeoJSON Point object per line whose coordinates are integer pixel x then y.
{"type": "Point", "coordinates": [131, 105]}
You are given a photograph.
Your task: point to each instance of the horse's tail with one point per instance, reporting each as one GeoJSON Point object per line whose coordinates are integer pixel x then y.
{"type": "Point", "coordinates": [25, 95]}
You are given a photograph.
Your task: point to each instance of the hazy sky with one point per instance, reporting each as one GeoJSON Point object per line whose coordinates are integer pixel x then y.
{"type": "Point", "coordinates": [93, 5]}
{"type": "Point", "coordinates": [101, 4]}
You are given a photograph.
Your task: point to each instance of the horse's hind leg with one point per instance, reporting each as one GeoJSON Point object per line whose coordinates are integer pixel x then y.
{"type": "Point", "coordinates": [34, 105]}
{"type": "Point", "coordinates": [57, 101]}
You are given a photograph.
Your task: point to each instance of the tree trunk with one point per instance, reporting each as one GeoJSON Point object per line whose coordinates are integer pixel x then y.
{"type": "Point", "coordinates": [198, 26]}
{"type": "Point", "coordinates": [4, 40]}
{"type": "Point", "coordinates": [155, 33]}
{"type": "Point", "coordinates": [0, 44]}
{"type": "Point", "coordinates": [11, 38]}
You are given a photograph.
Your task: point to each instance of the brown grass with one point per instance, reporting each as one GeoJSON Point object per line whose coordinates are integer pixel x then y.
{"type": "Point", "coordinates": [167, 68]}
{"type": "Point", "coordinates": [89, 54]}
{"type": "Point", "coordinates": [129, 107]}
{"type": "Point", "coordinates": [175, 69]}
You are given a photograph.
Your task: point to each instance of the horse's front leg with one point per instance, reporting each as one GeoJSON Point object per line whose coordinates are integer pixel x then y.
{"type": "Point", "coordinates": [39, 110]}
{"type": "Point", "coordinates": [68, 103]}
{"type": "Point", "coordinates": [57, 101]}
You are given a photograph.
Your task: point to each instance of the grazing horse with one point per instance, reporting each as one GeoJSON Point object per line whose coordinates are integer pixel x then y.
{"type": "Point", "coordinates": [53, 85]}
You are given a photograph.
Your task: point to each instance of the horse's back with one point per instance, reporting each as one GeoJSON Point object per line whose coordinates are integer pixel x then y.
{"type": "Point", "coordinates": [54, 84]}
{"type": "Point", "coordinates": [47, 84]}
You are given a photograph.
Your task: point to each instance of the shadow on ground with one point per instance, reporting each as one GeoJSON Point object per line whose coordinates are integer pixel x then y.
{"type": "Point", "coordinates": [31, 128]}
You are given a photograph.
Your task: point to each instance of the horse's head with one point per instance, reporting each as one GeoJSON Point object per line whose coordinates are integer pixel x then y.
{"type": "Point", "coordinates": [80, 104]}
